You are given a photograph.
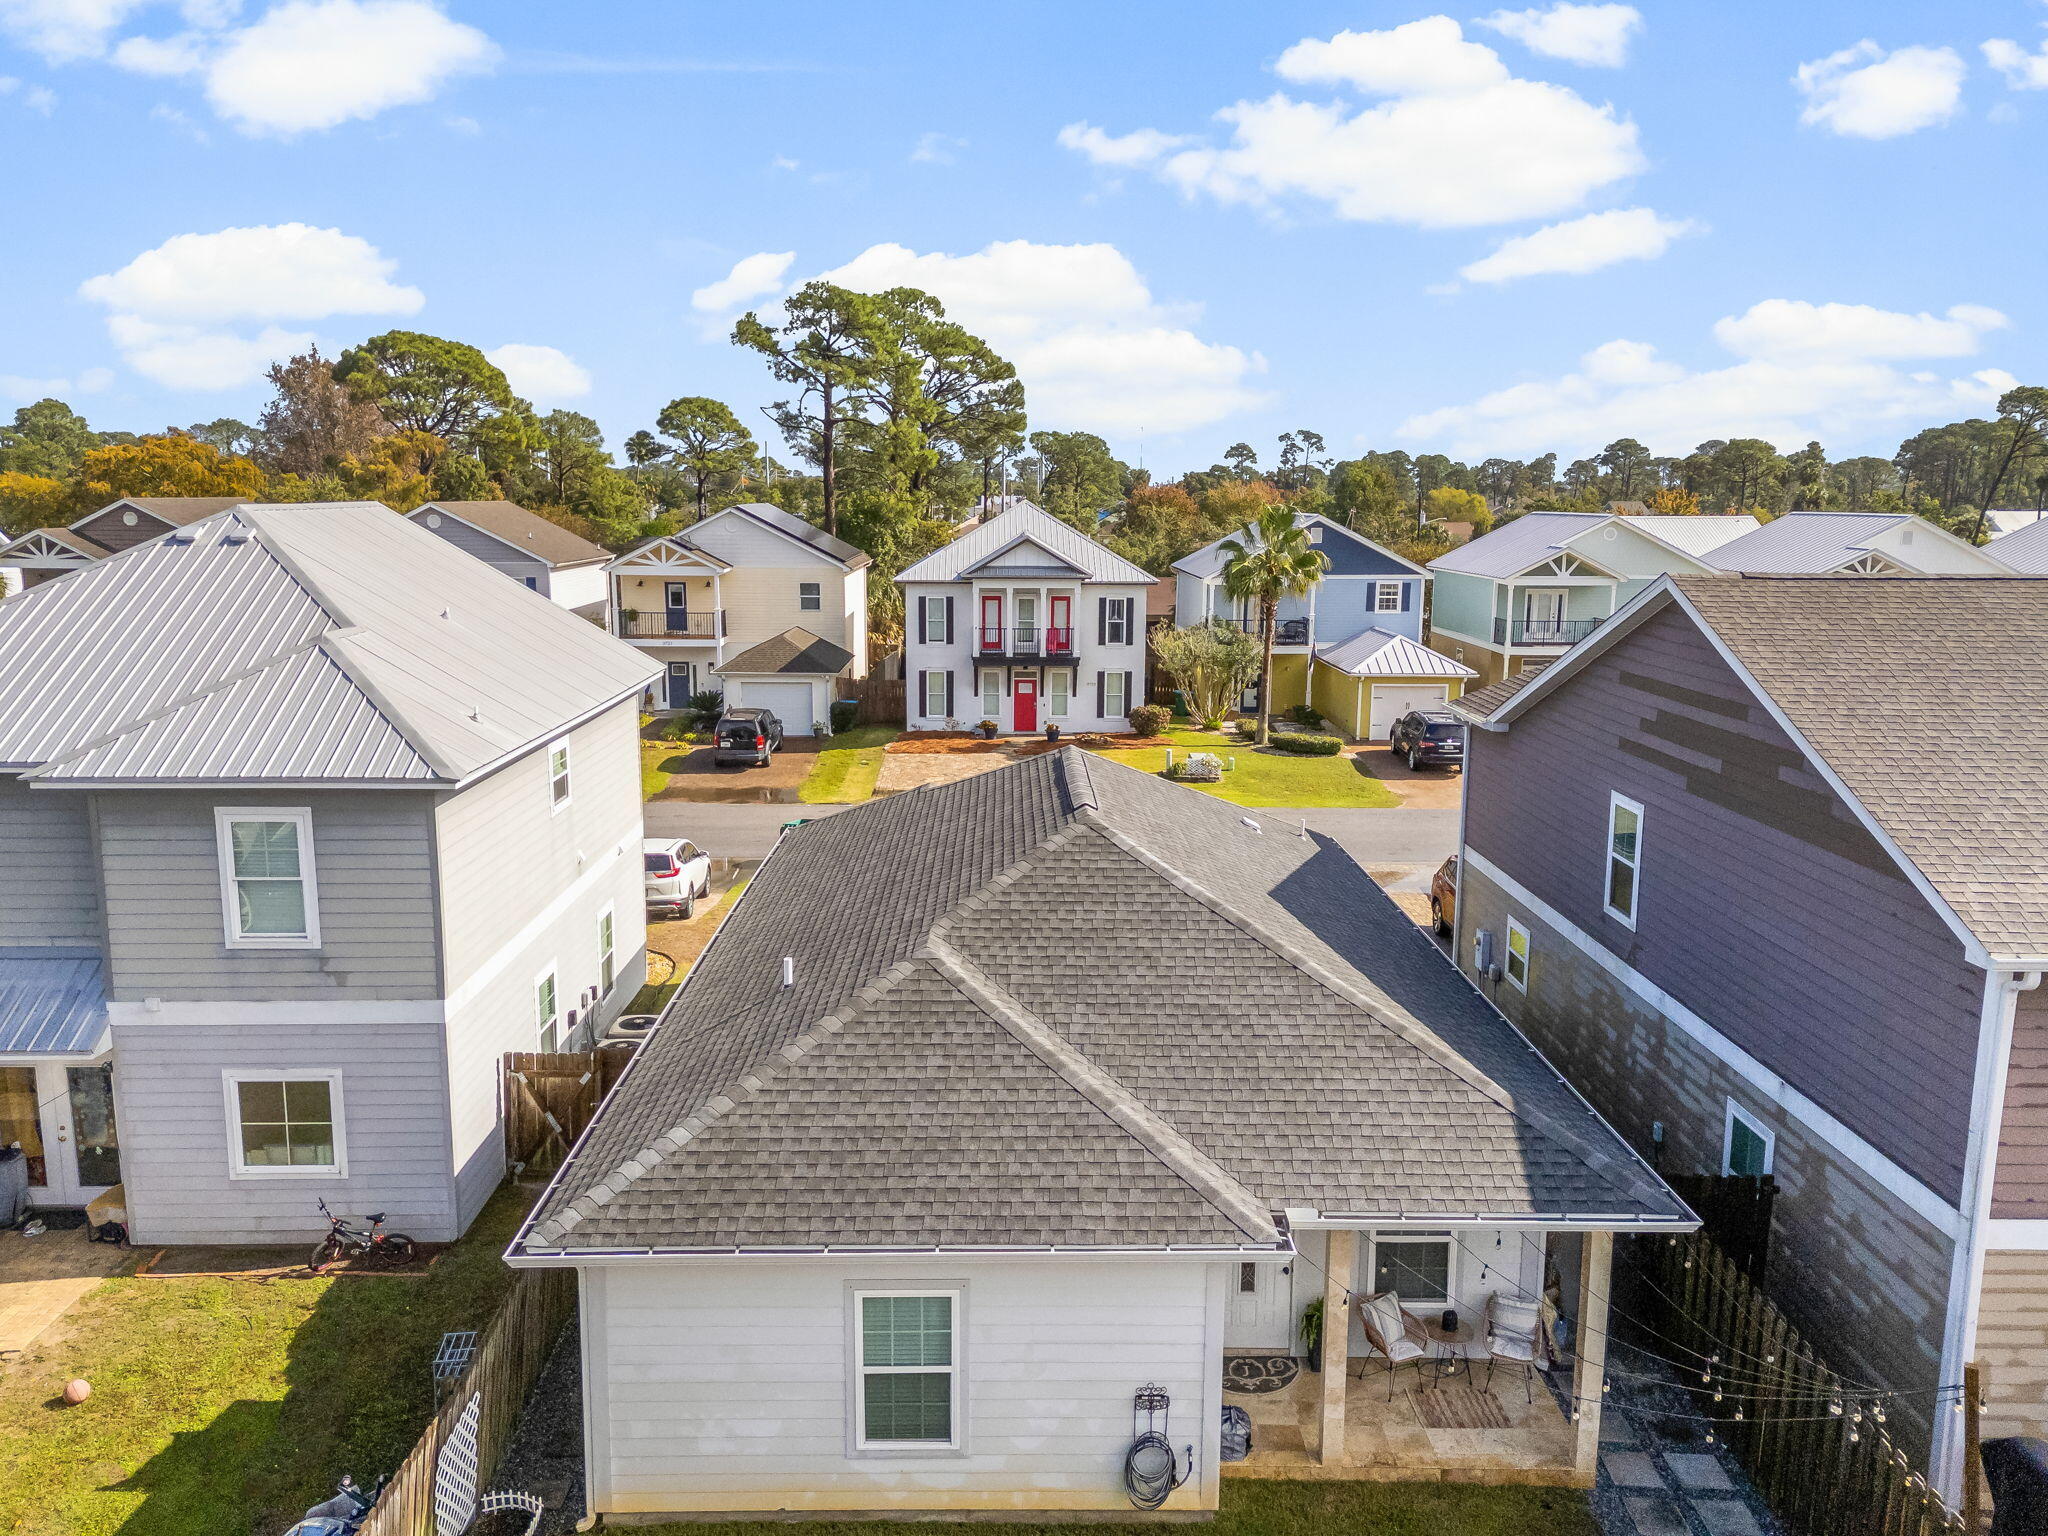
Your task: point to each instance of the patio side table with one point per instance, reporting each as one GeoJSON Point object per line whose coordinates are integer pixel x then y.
{"type": "Point", "coordinates": [1446, 1359]}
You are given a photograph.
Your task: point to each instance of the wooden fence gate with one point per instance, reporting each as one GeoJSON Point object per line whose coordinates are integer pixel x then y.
{"type": "Point", "coordinates": [880, 699]}
{"type": "Point", "coordinates": [549, 1099]}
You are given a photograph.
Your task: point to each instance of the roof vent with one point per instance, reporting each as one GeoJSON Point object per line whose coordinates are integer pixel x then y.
{"type": "Point", "coordinates": [1249, 822]}
{"type": "Point", "coordinates": [789, 970]}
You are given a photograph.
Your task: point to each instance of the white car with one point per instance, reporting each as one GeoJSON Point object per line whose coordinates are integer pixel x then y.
{"type": "Point", "coordinates": [677, 875]}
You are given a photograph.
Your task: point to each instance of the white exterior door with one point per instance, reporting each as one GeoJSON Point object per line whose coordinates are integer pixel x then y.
{"type": "Point", "coordinates": [1543, 610]}
{"type": "Point", "coordinates": [791, 703]}
{"type": "Point", "coordinates": [1390, 701]}
{"type": "Point", "coordinates": [1257, 1306]}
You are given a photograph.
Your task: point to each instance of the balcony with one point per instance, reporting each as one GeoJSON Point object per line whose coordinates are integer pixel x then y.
{"type": "Point", "coordinates": [1024, 642]}
{"type": "Point", "coordinates": [673, 624]}
{"type": "Point", "coordinates": [1543, 631]}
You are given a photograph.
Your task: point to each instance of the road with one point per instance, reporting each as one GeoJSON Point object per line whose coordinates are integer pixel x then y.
{"type": "Point", "coordinates": [1376, 839]}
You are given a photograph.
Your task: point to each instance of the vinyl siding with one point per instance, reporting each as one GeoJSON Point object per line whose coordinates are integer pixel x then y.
{"type": "Point", "coordinates": [2020, 1183]}
{"type": "Point", "coordinates": [1764, 907]}
{"type": "Point", "coordinates": [109, 531]}
{"type": "Point", "coordinates": [49, 880]}
{"type": "Point", "coordinates": [1463, 603]}
{"type": "Point", "coordinates": [166, 938]}
{"type": "Point", "coordinates": [2012, 1344]}
{"type": "Point", "coordinates": [494, 552]}
{"type": "Point", "coordinates": [1345, 607]}
{"type": "Point", "coordinates": [760, 592]}
{"type": "Point", "coordinates": [521, 887]}
{"type": "Point", "coordinates": [175, 1136]}
{"type": "Point", "coordinates": [724, 1387]}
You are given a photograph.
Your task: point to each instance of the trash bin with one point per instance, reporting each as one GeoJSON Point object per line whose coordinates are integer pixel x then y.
{"type": "Point", "coordinates": [2017, 1470]}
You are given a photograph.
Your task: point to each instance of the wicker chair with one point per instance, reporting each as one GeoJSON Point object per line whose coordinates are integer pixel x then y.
{"type": "Point", "coordinates": [1512, 1337]}
{"type": "Point", "coordinates": [1397, 1337]}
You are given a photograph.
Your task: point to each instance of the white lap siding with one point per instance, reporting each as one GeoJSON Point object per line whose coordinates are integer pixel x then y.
{"type": "Point", "coordinates": [728, 1386]}
{"type": "Point", "coordinates": [925, 655]}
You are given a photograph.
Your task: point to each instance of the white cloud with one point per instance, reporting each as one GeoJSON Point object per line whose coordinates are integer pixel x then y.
{"type": "Point", "coordinates": [1806, 371]}
{"type": "Point", "coordinates": [1461, 141]}
{"type": "Point", "coordinates": [20, 387]}
{"type": "Point", "coordinates": [1094, 349]}
{"type": "Point", "coordinates": [1865, 93]}
{"type": "Point", "coordinates": [1584, 34]}
{"type": "Point", "coordinates": [65, 30]}
{"type": "Point", "coordinates": [2023, 71]}
{"type": "Point", "coordinates": [171, 308]}
{"type": "Point", "coordinates": [1580, 245]}
{"type": "Point", "coordinates": [184, 54]}
{"type": "Point", "coordinates": [36, 98]}
{"type": "Point", "coordinates": [543, 375]}
{"type": "Point", "coordinates": [937, 149]}
{"type": "Point", "coordinates": [751, 277]}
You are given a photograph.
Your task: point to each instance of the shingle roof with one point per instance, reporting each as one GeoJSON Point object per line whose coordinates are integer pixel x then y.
{"type": "Point", "coordinates": [53, 1002]}
{"type": "Point", "coordinates": [1068, 1003]}
{"type": "Point", "coordinates": [1535, 536]}
{"type": "Point", "coordinates": [1478, 703]}
{"type": "Point", "coordinates": [512, 524]}
{"type": "Point", "coordinates": [1380, 653]}
{"type": "Point", "coordinates": [851, 556]}
{"type": "Point", "coordinates": [76, 543]}
{"type": "Point", "coordinates": [178, 510]}
{"type": "Point", "coordinates": [326, 642]}
{"type": "Point", "coordinates": [1065, 542]}
{"type": "Point", "coordinates": [2024, 549]}
{"type": "Point", "coordinates": [794, 651]}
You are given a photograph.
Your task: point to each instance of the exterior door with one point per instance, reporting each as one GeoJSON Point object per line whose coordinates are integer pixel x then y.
{"type": "Point", "coordinates": [1027, 623]}
{"type": "Point", "coordinates": [676, 595]}
{"type": "Point", "coordinates": [95, 1150]}
{"type": "Point", "coordinates": [1255, 1316]}
{"type": "Point", "coordinates": [1059, 626]}
{"type": "Point", "coordinates": [991, 621]}
{"type": "Point", "coordinates": [1024, 703]}
{"type": "Point", "coordinates": [678, 684]}
{"type": "Point", "coordinates": [20, 1122]}
{"type": "Point", "coordinates": [1542, 613]}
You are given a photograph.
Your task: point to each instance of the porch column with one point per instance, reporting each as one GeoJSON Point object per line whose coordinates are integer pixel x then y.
{"type": "Point", "coordinates": [1596, 1278]}
{"type": "Point", "coordinates": [1340, 1263]}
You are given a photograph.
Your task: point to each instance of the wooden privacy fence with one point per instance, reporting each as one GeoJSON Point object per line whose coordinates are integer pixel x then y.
{"type": "Point", "coordinates": [1735, 1213]}
{"type": "Point", "coordinates": [1820, 1454]}
{"type": "Point", "coordinates": [510, 1355]}
{"type": "Point", "coordinates": [880, 699]}
{"type": "Point", "coordinates": [549, 1099]}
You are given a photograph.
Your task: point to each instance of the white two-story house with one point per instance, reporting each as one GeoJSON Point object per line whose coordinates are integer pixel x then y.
{"type": "Point", "coordinates": [545, 557]}
{"type": "Point", "coordinates": [307, 818]}
{"type": "Point", "coordinates": [1026, 621]}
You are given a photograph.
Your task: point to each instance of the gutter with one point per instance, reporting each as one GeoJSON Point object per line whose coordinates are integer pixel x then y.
{"type": "Point", "coordinates": [547, 1258]}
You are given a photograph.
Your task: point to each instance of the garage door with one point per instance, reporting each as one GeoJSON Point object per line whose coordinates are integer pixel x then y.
{"type": "Point", "coordinates": [790, 701]}
{"type": "Point", "coordinates": [1390, 701]}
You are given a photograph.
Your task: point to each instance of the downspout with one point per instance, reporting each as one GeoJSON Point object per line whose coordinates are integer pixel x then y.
{"type": "Point", "coordinates": [1966, 1271]}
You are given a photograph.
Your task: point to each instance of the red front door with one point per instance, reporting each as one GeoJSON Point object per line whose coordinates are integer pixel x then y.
{"type": "Point", "coordinates": [991, 622]}
{"type": "Point", "coordinates": [1059, 626]}
{"type": "Point", "coordinates": [1024, 704]}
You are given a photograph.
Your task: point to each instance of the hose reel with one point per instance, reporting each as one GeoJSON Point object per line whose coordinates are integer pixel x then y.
{"type": "Point", "coordinates": [1151, 1470]}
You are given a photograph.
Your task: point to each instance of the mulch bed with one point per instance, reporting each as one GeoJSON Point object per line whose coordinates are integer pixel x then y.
{"type": "Point", "coordinates": [931, 743]}
{"type": "Point", "coordinates": [274, 1264]}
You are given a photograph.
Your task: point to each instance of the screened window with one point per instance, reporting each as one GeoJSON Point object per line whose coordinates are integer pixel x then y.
{"type": "Point", "coordinates": [607, 953]}
{"type": "Point", "coordinates": [1624, 857]}
{"type": "Point", "coordinates": [266, 859]}
{"type": "Point", "coordinates": [935, 632]}
{"type": "Point", "coordinates": [1746, 1145]}
{"type": "Point", "coordinates": [547, 1012]}
{"type": "Point", "coordinates": [935, 695]}
{"type": "Point", "coordinates": [1518, 954]}
{"type": "Point", "coordinates": [1387, 599]}
{"type": "Point", "coordinates": [908, 1366]}
{"type": "Point", "coordinates": [1055, 691]}
{"type": "Point", "coordinates": [810, 596]}
{"type": "Point", "coordinates": [285, 1125]}
{"type": "Point", "coordinates": [1113, 701]}
{"type": "Point", "coordinates": [558, 774]}
{"type": "Point", "coordinates": [1416, 1266]}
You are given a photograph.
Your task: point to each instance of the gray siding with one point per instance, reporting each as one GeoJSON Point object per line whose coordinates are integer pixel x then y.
{"type": "Point", "coordinates": [493, 552]}
{"type": "Point", "coordinates": [1765, 908]}
{"type": "Point", "coordinates": [172, 1105]}
{"type": "Point", "coordinates": [2020, 1185]}
{"type": "Point", "coordinates": [166, 939]}
{"type": "Point", "coordinates": [49, 885]}
{"type": "Point", "coordinates": [111, 531]}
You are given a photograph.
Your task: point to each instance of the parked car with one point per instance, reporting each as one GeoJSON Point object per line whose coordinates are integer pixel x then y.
{"type": "Point", "coordinates": [1443, 897]}
{"type": "Point", "coordinates": [677, 875]}
{"type": "Point", "coordinates": [746, 737]}
{"type": "Point", "coordinates": [1429, 736]}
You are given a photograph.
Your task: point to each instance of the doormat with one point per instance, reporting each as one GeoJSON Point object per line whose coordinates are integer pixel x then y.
{"type": "Point", "coordinates": [1458, 1408]}
{"type": "Point", "coordinates": [1258, 1373]}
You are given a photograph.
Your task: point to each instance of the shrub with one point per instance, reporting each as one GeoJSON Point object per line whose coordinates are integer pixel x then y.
{"type": "Point", "coordinates": [1149, 719]}
{"type": "Point", "coordinates": [710, 702]}
{"type": "Point", "coordinates": [1306, 716]}
{"type": "Point", "coordinates": [843, 711]}
{"type": "Point", "coordinates": [1247, 730]}
{"type": "Point", "coordinates": [1304, 745]}
{"type": "Point", "coordinates": [679, 727]}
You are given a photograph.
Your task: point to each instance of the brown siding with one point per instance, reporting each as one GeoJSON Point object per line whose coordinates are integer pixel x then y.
{"type": "Point", "coordinates": [2012, 1343]}
{"type": "Point", "coordinates": [2019, 1187]}
{"type": "Point", "coordinates": [1764, 908]}
{"type": "Point", "coordinates": [110, 530]}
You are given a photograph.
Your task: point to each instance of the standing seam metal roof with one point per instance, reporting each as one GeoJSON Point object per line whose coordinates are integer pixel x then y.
{"type": "Point", "coordinates": [53, 1002]}
{"type": "Point", "coordinates": [1097, 561]}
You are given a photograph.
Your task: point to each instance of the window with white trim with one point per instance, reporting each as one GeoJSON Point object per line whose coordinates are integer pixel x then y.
{"type": "Point", "coordinates": [810, 596]}
{"type": "Point", "coordinates": [1517, 964]}
{"type": "Point", "coordinates": [268, 896]}
{"type": "Point", "coordinates": [547, 1011]}
{"type": "Point", "coordinates": [1416, 1266]}
{"type": "Point", "coordinates": [1056, 690]}
{"type": "Point", "coordinates": [935, 631]}
{"type": "Point", "coordinates": [607, 952]}
{"type": "Point", "coordinates": [935, 695]}
{"type": "Point", "coordinates": [1386, 597]}
{"type": "Point", "coordinates": [1747, 1144]}
{"type": "Point", "coordinates": [1624, 858]}
{"type": "Point", "coordinates": [908, 1393]}
{"type": "Point", "coordinates": [558, 774]}
{"type": "Point", "coordinates": [1113, 701]}
{"type": "Point", "coordinates": [991, 695]}
{"type": "Point", "coordinates": [284, 1124]}
{"type": "Point", "coordinates": [1116, 625]}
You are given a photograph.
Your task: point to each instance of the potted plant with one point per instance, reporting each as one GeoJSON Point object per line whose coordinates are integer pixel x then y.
{"type": "Point", "coordinates": [1052, 731]}
{"type": "Point", "coordinates": [1312, 1333]}
{"type": "Point", "coordinates": [989, 729]}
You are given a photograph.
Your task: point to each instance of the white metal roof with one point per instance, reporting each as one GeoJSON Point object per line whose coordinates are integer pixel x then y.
{"type": "Point", "coordinates": [1096, 561]}
{"type": "Point", "coordinates": [53, 1002]}
{"type": "Point", "coordinates": [1381, 653]}
{"type": "Point", "coordinates": [325, 642]}
{"type": "Point", "coordinates": [1695, 534]}
{"type": "Point", "coordinates": [1534, 536]}
{"type": "Point", "coordinates": [2025, 549]}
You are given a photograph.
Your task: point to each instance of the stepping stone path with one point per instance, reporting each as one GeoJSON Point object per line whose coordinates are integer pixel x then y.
{"type": "Point", "coordinates": [1647, 1489]}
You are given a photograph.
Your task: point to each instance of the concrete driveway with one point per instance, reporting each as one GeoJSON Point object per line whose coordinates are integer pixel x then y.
{"type": "Point", "coordinates": [699, 779]}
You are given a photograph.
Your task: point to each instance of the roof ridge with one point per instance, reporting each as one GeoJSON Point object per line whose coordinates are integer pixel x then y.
{"type": "Point", "coordinates": [1072, 763]}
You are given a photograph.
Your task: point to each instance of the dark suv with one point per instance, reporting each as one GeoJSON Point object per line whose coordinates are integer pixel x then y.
{"type": "Point", "coordinates": [746, 737]}
{"type": "Point", "coordinates": [1429, 736]}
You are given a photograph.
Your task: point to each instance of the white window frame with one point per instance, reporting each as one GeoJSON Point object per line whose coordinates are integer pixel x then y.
{"type": "Point", "coordinates": [224, 819]}
{"type": "Point", "coordinates": [810, 597]}
{"type": "Point", "coordinates": [992, 695]}
{"type": "Point", "coordinates": [1617, 802]}
{"type": "Point", "coordinates": [1386, 598]}
{"type": "Point", "coordinates": [1433, 1235]}
{"type": "Point", "coordinates": [1116, 623]}
{"type": "Point", "coordinates": [1736, 1113]}
{"type": "Point", "coordinates": [1057, 704]}
{"type": "Point", "coordinates": [936, 631]}
{"type": "Point", "coordinates": [231, 1080]}
{"type": "Point", "coordinates": [549, 973]}
{"type": "Point", "coordinates": [560, 802]}
{"type": "Point", "coordinates": [954, 1368]}
{"type": "Point", "coordinates": [1114, 680]}
{"type": "Point", "coordinates": [607, 950]}
{"type": "Point", "coordinates": [934, 707]}
{"type": "Point", "coordinates": [1507, 962]}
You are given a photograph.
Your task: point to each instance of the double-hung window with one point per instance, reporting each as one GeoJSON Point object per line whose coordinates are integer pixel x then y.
{"type": "Point", "coordinates": [1055, 690]}
{"type": "Point", "coordinates": [935, 691]}
{"type": "Point", "coordinates": [558, 775]}
{"type": "Point", "coordinates": [1116, 622]}
{"type": "Point", "coordinates": [547, 1011]}
{"type": "Point", "coordinates": [284, 1123]}
{"type": "Point", "coordinates": [810, 596]}
{"type": "Point", "coordinates": [936, 631]}
{"type": "Point", "coordinates": [1518, 955]}
{"type": "Point", "coordinates": [266, 877]}
{"type": "Point", "coordinates": [1114, 700]}
{"type": "Point", "coordinates": [607, 953]}
{"type": "Point", "coordinates": [908, 1393]}
{"type": "Point", "coordinates": [1416, 1266]}
{"type": "Point", "coordinates": [991, 696]}
{"type": "Point", "coordinates": [1386, 597]}
{"type": "Point", "coordinates": [1747, 1145]}
{"type": "Point", "coordinates": [1624, 858]}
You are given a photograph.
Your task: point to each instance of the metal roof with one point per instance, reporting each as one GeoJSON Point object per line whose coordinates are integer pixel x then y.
{"type": "Point", "coordinates": [1096, 561]}
{"type": "Point", "coordinates": [1814, 543]}
{"type": "Point", "coordinates": [2024, 549]}
{"type": "Point", "coordinates": [1209, 559]}
{"type": "Point", "coordinates": [327, 642]}
{"type": "Point", "coordinates": [1511, 549]}
{"type": "Point", "coordinates": [516, 528]}
{"type": "Point", "coordinates": [1380, 653]}
{"type": "Point", "coordinates": [53, 1002]}
{"type": "Point", "coordinates": [1696, 534]}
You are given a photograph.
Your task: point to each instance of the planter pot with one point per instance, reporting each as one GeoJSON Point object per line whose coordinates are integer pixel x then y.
{"type": "Point", "coordinates": [1315, 1357]}
{"type": "Point", "coordinates": [988, 733]}
{"type": "Point", "coordinates": [1052, 733]}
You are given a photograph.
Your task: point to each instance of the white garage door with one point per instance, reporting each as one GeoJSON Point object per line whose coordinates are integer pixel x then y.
{"type": "Point", "coordinates": [1390, 701]}
{"type": "Point", "coordinates": [791, 703]}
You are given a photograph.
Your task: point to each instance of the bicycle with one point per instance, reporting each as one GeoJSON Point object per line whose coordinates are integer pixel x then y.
{"type": "Point", "coordinates": [378, 1247]}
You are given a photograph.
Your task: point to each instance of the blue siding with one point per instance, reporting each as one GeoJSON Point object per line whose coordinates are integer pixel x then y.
{"type": "Point", "coordinates": [1349, 556]}
{"type": "Point", "coordinates": [1345, 605]}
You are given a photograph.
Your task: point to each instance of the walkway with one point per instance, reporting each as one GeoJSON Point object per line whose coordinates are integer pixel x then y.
{"type": "Point", "coordinates": [42, 1277]}
{"type": "Point", "coordinates": [1660, 1476]}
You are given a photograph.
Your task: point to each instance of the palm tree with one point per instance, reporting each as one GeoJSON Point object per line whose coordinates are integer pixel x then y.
{"type": "Point", "coordinates": [1270, 560]}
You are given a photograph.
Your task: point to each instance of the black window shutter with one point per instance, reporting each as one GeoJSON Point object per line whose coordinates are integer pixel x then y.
{"type": "Point", "coordinates": [947, 638]}
{"type": "Point", "coordinates": [1372, 597]}
{"type": "Point", "coordinates": [949, 685]}
{"type": "Point", "coordinates": [924, 692]}
{"type": "Point", "coordinates": [1098, 693]}
{"type": "Point", "coordinates": [922, 612]}
{"type": "Point", "coordinates": [1128, 701]}
{"type": "Point", "coordinates": [1101, 624]}
{"type": "Point", "coordinates": [1407, 595]}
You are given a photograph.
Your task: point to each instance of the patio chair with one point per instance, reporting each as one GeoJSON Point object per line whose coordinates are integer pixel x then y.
{"type": "Point", "coordinates": [1392, 1332]}
{"type": "Point", "coordinates": [1512, 1336]}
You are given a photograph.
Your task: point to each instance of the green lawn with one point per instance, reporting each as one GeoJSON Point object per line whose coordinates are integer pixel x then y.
{"type": "Point", "coordinates": [846, 771]}
{"type": "Point", "coordinates": [1268, 778]}
{"type": "Point", "coordinates": [228, 1406]}
{"type": "Point", "coordinates": [1257, 1508]}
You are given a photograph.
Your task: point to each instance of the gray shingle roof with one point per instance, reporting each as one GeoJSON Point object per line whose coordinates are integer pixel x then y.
{"type": "Point", "coordinates": [795, 651]}
{"type": "Point", "coordinates": [53, 1002]}
{"type": "Point", "coordinates": [178, 510]}
{"type": "Point", "coordinates": [513, 525]}
{"type": "Point", "coordinates": [1481, 702]}
{"type": "Point", "coordinates": [327, 642]}
{"type": "Point", "coordinates": [1068, 1003]}
{"type": "Point", "coordinates": [1096, 562]}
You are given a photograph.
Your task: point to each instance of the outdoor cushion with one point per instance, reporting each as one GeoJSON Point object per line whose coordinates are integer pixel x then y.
{"type": "Point", "coordinates": [1511, 1328]}
{"type": "Point", "coordinates": [1383, 1315]}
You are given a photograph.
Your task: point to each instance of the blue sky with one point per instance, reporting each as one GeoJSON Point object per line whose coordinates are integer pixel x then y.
{"type": "Point", "coordinates": [1782, 220]}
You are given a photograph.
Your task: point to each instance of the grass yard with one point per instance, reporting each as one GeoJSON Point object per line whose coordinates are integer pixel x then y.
{"type": "Point", "coordinates": [1257, 1508]}
{"type": "Point", "coordinates": [228, 1406]}
{"type": "Point", "coordinates": [1269, 778]}
{"type": "Point", "coordinates": [846, 770]}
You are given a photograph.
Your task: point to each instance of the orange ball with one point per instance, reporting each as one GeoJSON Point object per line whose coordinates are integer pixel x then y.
{"type": "Point", "coordinates": [77, 1390]}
